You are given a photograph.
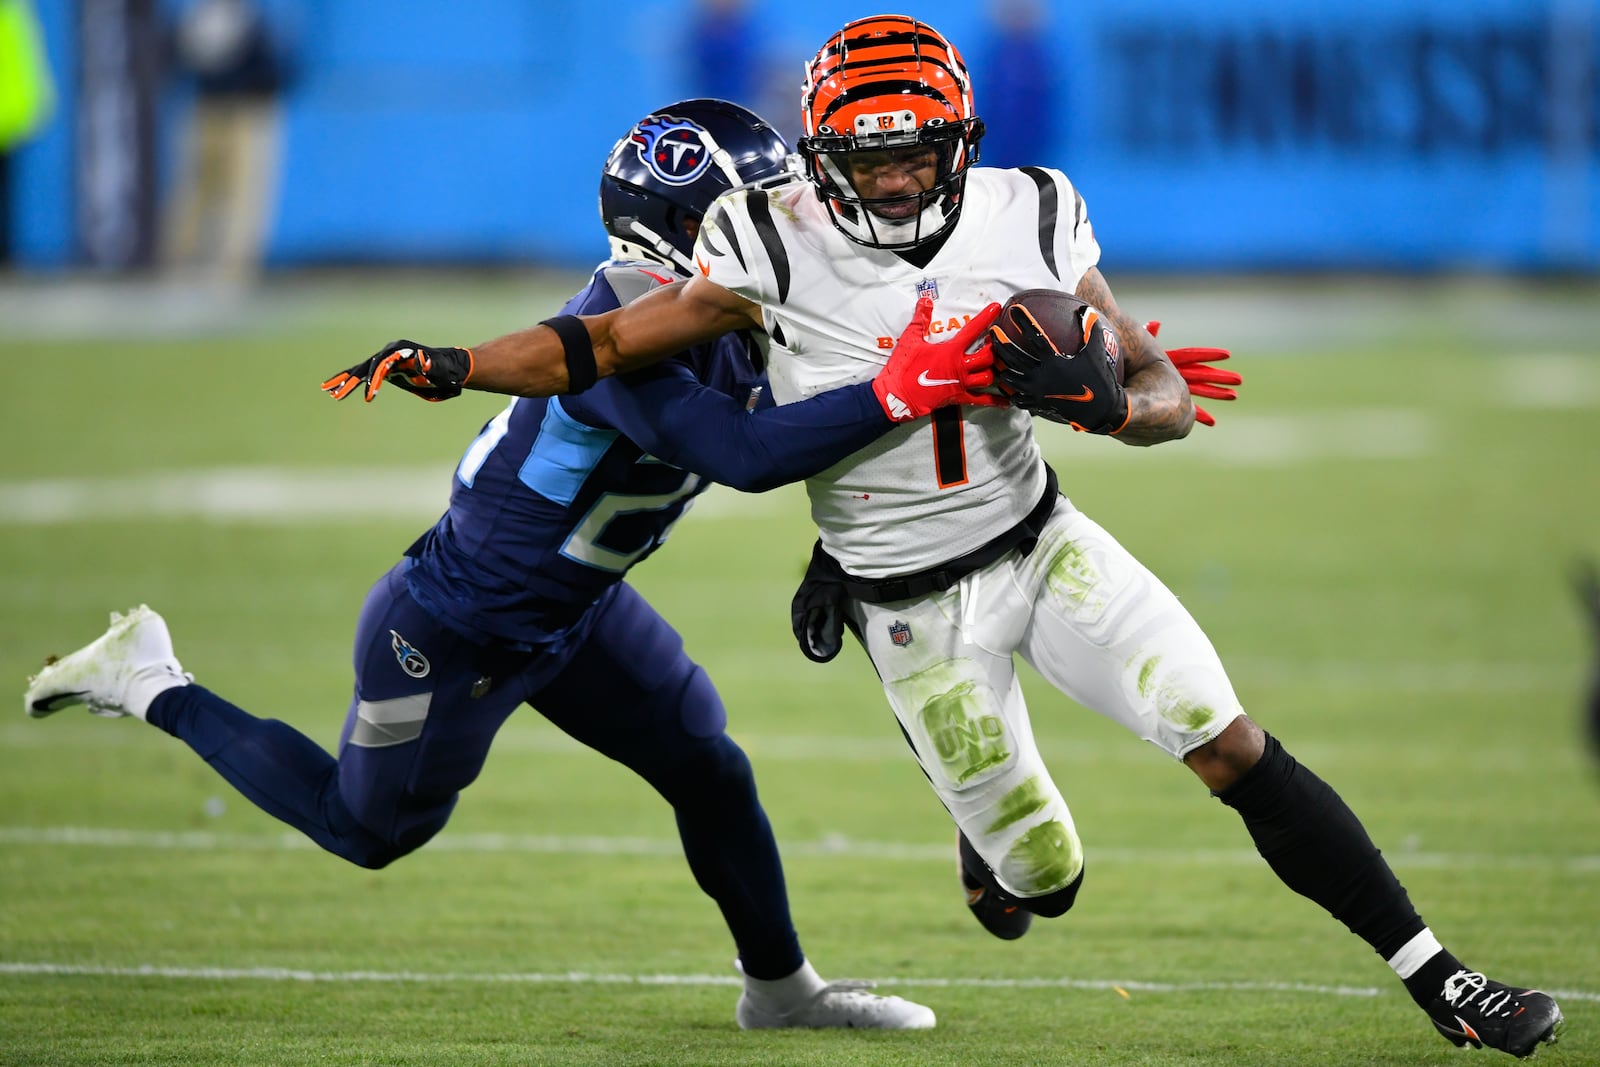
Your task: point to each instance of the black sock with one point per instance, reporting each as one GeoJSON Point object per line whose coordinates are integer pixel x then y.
{"type": "Point", "coordinates": [1317, 847]}
{"type": "Point", "coordinates": [1050, 906]}
{"type": "Point", "coordinates": [1427, 982]}
{"type": "Point", "coordinates": [1054, 904]}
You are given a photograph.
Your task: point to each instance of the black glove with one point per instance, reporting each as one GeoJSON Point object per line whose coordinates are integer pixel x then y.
{"type": "Point", "coordinates": [816, 614]}
{"type": "Point", "coordinates": [1082, 388]}
{"type": "Point", "coordinates": [431, 373]}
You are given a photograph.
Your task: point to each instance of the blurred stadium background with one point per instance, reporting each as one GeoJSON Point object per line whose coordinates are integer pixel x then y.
{"type": "Point", "coordinates": [1389, 135]}
{"type": "Point", "coordinates": [1388, 209]}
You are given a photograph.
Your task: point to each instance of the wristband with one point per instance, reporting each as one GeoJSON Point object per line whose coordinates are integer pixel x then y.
{"type": "Point", "coordinates": [578, 350]}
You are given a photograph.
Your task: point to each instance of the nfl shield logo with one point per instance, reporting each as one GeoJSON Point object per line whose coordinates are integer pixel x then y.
{"type": "Point", "coordinates": [900, 633]}
{"type": "Point", "coordinates": [928, 287]}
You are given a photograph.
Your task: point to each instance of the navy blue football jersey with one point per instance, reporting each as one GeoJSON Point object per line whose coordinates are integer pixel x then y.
{"type": "Point", "coordinates": [558, 497]}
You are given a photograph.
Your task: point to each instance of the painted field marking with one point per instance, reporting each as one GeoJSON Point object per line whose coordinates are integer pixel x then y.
{"type": "Point", "coordinates": [284, 974]}
{"type": "Point", "coordinates": [276, 494]}
{"type": "Point", "coordinates": [836, 845]}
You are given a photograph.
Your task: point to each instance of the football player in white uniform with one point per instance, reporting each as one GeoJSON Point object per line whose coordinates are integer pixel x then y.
{"type": "Point", "coordinates": [945, 545]}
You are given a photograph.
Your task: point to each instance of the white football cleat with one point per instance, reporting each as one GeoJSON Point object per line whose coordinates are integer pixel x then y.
{"type": "Point", "coordinates": [838, 1005]}
{"type": "Point", "coordinates": [119, 673]}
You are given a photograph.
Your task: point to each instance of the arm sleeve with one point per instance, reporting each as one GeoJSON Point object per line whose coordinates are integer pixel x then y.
{"type": "Point", "coordinates": [669, 414]}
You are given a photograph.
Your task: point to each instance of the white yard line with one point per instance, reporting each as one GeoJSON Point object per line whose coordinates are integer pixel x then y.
{"type": "Point", "coordinates": [831, 845]}
{"type": "Point", "coordinates": [284, 974]}
{"type": "Point", "coordinates": [291, 495]}
{"type": "Point", "coordinates": [1258, 316]}
{"type": "Point", "coordinates": [295, 495]}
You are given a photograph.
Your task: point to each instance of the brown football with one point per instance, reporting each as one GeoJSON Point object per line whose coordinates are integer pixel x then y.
{"type": "Point", "coordinates": [1068, 322]}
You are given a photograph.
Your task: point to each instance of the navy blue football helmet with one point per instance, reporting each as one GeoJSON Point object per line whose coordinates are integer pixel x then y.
{"type": "Point", "coordinates": [672, 165]}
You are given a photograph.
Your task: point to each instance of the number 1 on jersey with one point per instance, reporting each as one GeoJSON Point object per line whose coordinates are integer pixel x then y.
{"type": "Point", "coordinates": [949, 448]}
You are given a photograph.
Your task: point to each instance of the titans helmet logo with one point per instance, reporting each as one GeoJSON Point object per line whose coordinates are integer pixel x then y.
{"type": "Point", "coordinates": [674, 149]}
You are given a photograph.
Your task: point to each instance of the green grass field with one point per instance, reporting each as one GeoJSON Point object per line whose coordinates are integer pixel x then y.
{"type": "Point", "coordinates": [1378, 538]}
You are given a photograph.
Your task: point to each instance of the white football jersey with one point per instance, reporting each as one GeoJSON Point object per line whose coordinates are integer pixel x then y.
{"type": "Point", "coordinates": [931, 489]}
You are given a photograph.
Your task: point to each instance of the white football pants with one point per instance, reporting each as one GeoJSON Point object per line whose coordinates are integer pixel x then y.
{"type": "Point", "coordinates": [1098, 626]}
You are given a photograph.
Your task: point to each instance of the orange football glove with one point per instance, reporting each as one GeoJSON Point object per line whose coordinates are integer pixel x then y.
{"type": "Point", "coordinates": [432, 373]}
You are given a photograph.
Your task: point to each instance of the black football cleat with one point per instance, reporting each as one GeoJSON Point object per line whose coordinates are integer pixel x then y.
{"type": "Point", "coordinates": [1477, 1011]}
{"type": "Point", "coordinates": [996, 910]}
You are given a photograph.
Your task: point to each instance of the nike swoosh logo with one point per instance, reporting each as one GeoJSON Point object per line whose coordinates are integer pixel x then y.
{"type": "Point", "coordinates": [1083, 397]}
{"type": "Point", "coordinates": [705, 268]}
{"type": "Point", "coordinates": [925, 381]}
{"type": "Point", "coordinates": [58, 701]}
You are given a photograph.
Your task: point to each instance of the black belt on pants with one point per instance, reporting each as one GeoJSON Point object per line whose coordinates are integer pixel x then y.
{"type": "Point", "coordinates": [817, 611]}
{"type": "Point", "coordinates": [1024, 535]}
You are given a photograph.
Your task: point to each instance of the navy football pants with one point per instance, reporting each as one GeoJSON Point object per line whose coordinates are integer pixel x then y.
{"type": "Point", "coordinates": [426, 709]}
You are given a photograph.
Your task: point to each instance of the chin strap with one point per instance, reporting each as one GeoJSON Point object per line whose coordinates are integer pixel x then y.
{"type": "Point", "coordinates": [651, 246]}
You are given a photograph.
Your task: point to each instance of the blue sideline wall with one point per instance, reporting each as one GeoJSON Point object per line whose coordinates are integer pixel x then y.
{"type": "Point", "coordinates": [1204, 134]}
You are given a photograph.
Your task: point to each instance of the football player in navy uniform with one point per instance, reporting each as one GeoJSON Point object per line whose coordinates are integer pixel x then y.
{"type": "Point", "coordinates": [517, 595]}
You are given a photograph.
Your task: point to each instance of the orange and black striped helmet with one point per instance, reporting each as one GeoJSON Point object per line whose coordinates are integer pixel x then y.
{"type": "Point", "coordinates": [889, 85]}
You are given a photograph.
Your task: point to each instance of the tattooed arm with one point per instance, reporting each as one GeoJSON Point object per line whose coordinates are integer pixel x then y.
{"type": "Point", "coordinates": [1159, 406]}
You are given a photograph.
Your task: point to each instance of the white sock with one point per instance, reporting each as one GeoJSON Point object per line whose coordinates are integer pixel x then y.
{"type": "Point", "coordinates": [797, 988]}
{"type": "Point", "coordinates": [149, 683]}
{"type": "Point", "coordinates": [1414, 953]}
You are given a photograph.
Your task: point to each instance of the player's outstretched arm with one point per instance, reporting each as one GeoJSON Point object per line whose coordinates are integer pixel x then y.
{"type": "Point", "coordinates": [1159, 406]}
{"type": "Point", "coordinates": [564, 354]}
{"type": "Point", "coordinates": [673, 416]}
